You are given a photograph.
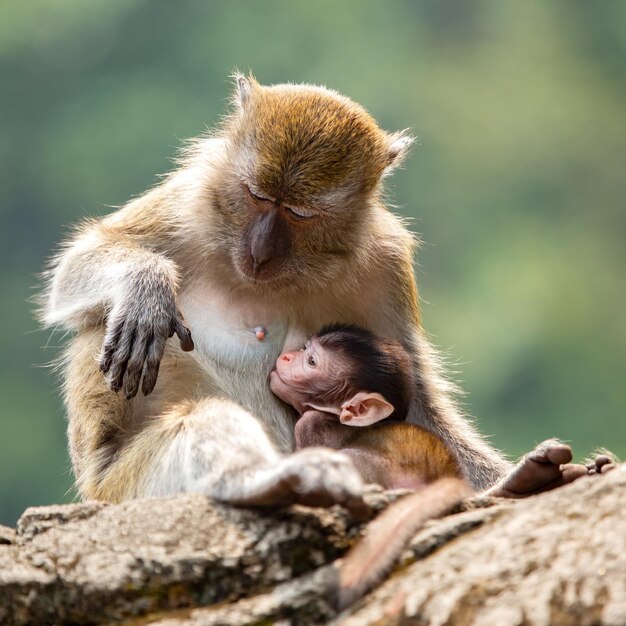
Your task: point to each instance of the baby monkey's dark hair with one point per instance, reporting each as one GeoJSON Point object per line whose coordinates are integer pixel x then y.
{"type": "Point", "coordinates": [377, 365]}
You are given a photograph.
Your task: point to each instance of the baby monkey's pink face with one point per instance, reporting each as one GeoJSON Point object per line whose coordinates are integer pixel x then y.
{"type": "Point", "coordinates": [314, 377]}
{"type": "Point", "coordinates": [303, 375]}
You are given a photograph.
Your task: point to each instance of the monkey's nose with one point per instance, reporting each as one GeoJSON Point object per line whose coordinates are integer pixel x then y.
{"type": "Point", "coordinates": [285, 357]}
{"type": "Point", "coordinates": [259, 258]}
{"type": "Point", "coordinates": [269, 240]}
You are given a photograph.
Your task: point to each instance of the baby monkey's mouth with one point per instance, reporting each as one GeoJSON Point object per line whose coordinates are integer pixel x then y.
{"type": "Point", "coordinates": [278, 387]}
{"type": "Point", "coordinates": [272, 376]}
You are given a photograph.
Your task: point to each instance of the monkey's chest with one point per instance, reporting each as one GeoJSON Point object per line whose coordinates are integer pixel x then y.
{"type": "Point", "coordinates": [237, 335]}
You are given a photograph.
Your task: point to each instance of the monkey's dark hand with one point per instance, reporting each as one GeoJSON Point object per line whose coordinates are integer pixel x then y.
{"type": "Point", "coordinates": [137, 328]}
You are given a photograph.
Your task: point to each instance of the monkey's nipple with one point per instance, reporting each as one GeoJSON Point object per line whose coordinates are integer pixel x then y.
{"type": "Point", "coordinates": [259, 332]}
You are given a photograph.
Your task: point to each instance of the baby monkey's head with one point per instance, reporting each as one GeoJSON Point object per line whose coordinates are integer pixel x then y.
{"type": "Point", "coordinates": [348, 371]}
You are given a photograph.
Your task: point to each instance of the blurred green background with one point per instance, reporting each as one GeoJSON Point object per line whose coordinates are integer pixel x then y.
{"type": "Point", "coordinates": [517, 183]}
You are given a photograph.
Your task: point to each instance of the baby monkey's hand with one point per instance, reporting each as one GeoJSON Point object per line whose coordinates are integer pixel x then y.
{"type": "Point", "coordinates": [136, 331]}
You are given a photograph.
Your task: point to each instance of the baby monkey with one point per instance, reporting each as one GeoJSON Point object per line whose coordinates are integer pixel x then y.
{"type": "Point", "coordinates": [352, 390]}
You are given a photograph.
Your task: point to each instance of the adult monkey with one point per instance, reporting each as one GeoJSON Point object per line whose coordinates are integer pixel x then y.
{"type": "Point", "coordinates": [275, 220]}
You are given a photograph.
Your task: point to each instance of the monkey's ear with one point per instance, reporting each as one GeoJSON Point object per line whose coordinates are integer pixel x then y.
{"type": "Point", "coordinates": [397, 149]}
{"type": "Point", "coordinates": [244, 88]}
{"type": "Point", "coordinates": [364, 409]}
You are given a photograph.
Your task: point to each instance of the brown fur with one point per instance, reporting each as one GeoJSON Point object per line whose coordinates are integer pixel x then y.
{"type": "Point", "coordinates": [413, 452]}
{"type": "Point", "coordinates": [392, 454]}
{"type": "Point", "coordinates": [296, 128]}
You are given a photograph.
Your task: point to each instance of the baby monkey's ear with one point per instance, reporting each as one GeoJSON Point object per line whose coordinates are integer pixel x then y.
{"type": "Point", "coordinates": [364, 409]}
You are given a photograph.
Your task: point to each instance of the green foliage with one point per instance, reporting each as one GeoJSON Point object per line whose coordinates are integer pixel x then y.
{"type": "Point", "coordinates": [517, 183]}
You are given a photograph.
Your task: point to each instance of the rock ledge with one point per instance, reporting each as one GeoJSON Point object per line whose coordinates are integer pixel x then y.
{"type": "Point", "coordinates": [555, 559]}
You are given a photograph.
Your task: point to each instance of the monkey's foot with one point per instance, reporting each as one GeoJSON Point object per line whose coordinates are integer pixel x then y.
{"type": "Point", "coordinates": [546, 467]}
{"type": "Point", "coordinates": [313, 477]}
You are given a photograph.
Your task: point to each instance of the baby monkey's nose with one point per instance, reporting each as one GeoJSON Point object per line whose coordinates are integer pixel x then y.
{"type": "Point", "coordinates": [285, 357]}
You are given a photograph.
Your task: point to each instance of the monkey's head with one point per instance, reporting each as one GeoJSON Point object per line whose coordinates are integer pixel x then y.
{"type": "Point", "coordinates": [348, 371]}
{"type": "Point", "coordinates": [302, 167]}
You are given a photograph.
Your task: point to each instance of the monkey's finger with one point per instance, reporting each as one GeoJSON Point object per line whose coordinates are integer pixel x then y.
{"type": "Point", "coordinates": [184, 335]}
{"type": "Point", "coordinates": [602, 460]}
{"type": "Point", "coordinates": [110, 344]}
{"type": "Point", "coordinates": [572, 472]}
{"type": "Point", "coordinates": [559, 454]}
{"type": "Point", "coordinates": [152, 364]}
{"type": "Point", "coordinates": [596, 466]}
{"type": "Point", "coordinates": [551, 451]}
{"type": "Point", "coordinates": [121, 357]}
{"type": "Point", "coordinates": [134, 367]}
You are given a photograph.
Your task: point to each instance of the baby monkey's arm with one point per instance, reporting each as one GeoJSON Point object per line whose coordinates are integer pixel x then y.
{"type": "Point", "coordinates": [317, 428]}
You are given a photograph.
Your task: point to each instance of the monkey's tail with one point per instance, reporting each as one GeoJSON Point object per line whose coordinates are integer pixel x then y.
{"type": "Point", "coordinates": [369, 562]}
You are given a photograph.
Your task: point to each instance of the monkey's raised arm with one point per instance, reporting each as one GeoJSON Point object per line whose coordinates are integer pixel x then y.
{"type": "Point", "coordinates": [105, 276]}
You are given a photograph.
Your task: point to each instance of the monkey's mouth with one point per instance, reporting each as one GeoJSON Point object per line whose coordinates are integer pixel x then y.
{"type": "Point", "coordinates": [277, 385]}
{"type": "Point", "coordinates": [268, 272]}
{"type": "Point", "coordinates": [274, 377]}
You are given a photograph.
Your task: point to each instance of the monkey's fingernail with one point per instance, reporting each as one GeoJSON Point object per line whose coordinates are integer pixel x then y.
{"type": "Point", "coordinates": [184, 336]}
{"type": "Point", "coordinates": [187, 344]}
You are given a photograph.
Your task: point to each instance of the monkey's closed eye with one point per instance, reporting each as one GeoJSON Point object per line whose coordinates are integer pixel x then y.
{"type": "Point", "coordinates": [256, 196]}
{"type": "Point", "coordinates": [302, 214]}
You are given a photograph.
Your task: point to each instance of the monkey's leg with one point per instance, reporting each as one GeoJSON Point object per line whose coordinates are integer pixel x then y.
{"type": "Point", "coordinates": [313, 476]}
{"type": "Point", "coordinates": [217, 448]}
{"type": "Point", "coordinates": [546, 467]}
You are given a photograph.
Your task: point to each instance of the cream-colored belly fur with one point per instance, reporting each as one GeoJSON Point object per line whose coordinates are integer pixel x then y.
{"type": "Point", "coordinates": [228, 351]}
